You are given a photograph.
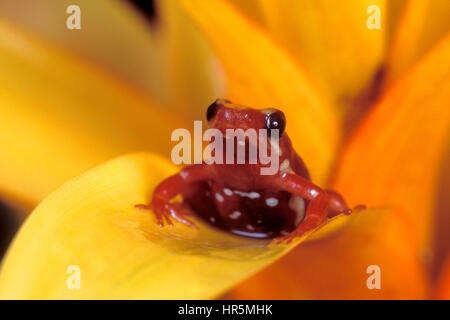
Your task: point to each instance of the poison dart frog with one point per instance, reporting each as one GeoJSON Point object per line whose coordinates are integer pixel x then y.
{"type": "Point", "coordinates": [237, 197]}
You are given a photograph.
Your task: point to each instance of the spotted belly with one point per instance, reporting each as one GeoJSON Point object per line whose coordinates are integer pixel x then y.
{"type": "Point", "coordinates": [255, 213]}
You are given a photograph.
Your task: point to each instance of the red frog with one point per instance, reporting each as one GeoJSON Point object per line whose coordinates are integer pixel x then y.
{"type": "Point", "coordinates": [237, 197]}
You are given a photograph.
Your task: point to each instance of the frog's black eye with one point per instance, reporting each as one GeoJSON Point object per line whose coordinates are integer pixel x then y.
{"type": "Point", "coordinates": [276, 120]}
{"type": "Point", "coordinates": [212, 109]}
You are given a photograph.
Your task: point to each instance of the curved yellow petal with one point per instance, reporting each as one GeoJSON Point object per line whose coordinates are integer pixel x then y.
{"type": "Point", "coordinates": [422, 24]}
{"type": "Point", "coordinates": [394, 158]}
{"type": "Point", "coordinates": [193, 82]}
{"type": "Point", "coordinates": [337, 268]}
{"type": "Point", "coordinates": [332, 41]}
{"type": "Point", "coordinates": [259, 73]}
{"type": "Point", "coordinates": [90, 223]}
{"type": "Point", "coordinates": [61, 116]}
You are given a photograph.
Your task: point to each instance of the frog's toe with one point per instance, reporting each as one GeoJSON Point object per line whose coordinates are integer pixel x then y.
{"type": "Point", "coordinates": [179, 211]}
{"type": "Point", "coordinates": [160, 209]}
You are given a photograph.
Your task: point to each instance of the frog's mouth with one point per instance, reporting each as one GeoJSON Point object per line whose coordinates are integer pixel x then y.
{"type": "Point", "coordinates": [258, 214]}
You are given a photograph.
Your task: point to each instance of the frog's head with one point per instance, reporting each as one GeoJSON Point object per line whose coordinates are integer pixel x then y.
{"type": "Point", "coordinates": [223, 114]}
{"type": "Point", "coordinates": [247, 126]}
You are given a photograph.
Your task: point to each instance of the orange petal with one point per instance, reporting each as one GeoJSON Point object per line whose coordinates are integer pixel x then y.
{"type": "Point", "coordinates": [422, 24]}
{"type": "Point", "coordinates": [61, 116]}
{"type": "Point", "coordinates": [443, 285]}
{"type": "Point", "coordinates": [336, 268]}
{"type": "Point", "coordinates": [441, 234]}
{"type": "Point", "coordinates": [392, 160]}
{"type": "Point", "coordinates": [259, 73]}
{"type": "Point", "coordinates": [331, 40]}
{"type": "Point", "coordinates": [395, 156]}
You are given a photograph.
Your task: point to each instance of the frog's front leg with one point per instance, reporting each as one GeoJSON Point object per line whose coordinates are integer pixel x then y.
{"type": "Point", "coordinates": [171, 187]}
{"type": "Point", "coordinates": [322, 203]}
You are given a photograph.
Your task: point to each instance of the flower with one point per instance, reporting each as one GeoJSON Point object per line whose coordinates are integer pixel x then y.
{"type": "Point", "coordinates": [316, 60]}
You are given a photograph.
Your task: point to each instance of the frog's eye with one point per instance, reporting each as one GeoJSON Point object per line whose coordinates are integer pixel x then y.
{"type": "Point", "coordinates": [276, 120]}
{"type": "Point", "coordinates": [212, 109]}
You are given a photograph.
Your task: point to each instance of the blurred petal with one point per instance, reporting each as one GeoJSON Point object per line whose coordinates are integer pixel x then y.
{"type": "Point", "coordinates": [422, 24]}
{"type": "Point", "coordinates": [61, 117]}
{"type": "Point", "coordinates": [9, 223]}
{"type": "Point", "coordinates": [443, 284]}
{"type": "Point", "coordinates": [395, 10]}
{"type": "Point", "coordinates": [259, 73]}
{"type": "Point", "coordinates": [331, 40]}
{"type": "Point", "coordinates": [193, 80]}
{"type": "Point", "coordinates": [395, 156]}
{"type": "Point", "coordinates": [392, 160]}
{"type": "Point", "coordinates": [168, 58]}
{"type": "Point", "coordinates": [441, 221]}
{"type": "Point", "coordinates": [127, 46]}
{"type": "Point", "coordinates": [336, 268]}
{"type": "Point", "coordinates": [90, 222]}
{"type": "Point", "coordinates": [252, 8]}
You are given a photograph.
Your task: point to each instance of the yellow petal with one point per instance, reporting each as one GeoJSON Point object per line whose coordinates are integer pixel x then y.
{"type": "Point", "coordinates": [128, 46]}
{"type": "Point", "coordinates": [395, 11]}
{"type": "Point", "coordinates": [259, 73]}
{"type": "Point", "coordinates": [422, 24]}
{"type": "Point", "coordinates": [91, 223]}
{"type": "Point", "coordinates": [331, 40]}
{"type": "Point", "coordinates": [168, 58]}
{"type": "Point", "coordinates": [61, 116]}
{"type": "Point", "coordinates": [252, 8]}
{"type": "Point", "coordinates": [336, 268]}
{"type": "Point", "coordinates": [394, 158]}
{"type": "Point", "coordinates": [193, 82]}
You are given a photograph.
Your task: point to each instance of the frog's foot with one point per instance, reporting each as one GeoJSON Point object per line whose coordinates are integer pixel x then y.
{"type": "Point", "coordinates": [348, 211]}
{"type": "Point", "coordinates": [315, 216]}
{"type": "Point", "coordinates": [287, 238]}
{"type": "Point", "coordinates": [303, 228]}
{"type": "Point", "coordinates": [359, 207]}
{"type": "Point", "coordinates": [165, 210]}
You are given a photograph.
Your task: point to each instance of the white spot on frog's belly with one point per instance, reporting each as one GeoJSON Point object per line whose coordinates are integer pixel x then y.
{"type": "Point", "coordinates": [251, 195]}
{"type": "Point", "coordinates": [297, 204]}
{"type": "Point", "coordinates": [219, 197]}
{"type": "Point", "coordinates": [285, 167]}
{"type": "Point", "coordinates": [183, 175]}
{"type": "Point", "coordinates": [228, 192]}
{"type": "Point", "coordinates": [272, 202]}
{"type": "Point", "coordinates": [235, 215]}
{"type": "Point", "coordinates": [250, 227]}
